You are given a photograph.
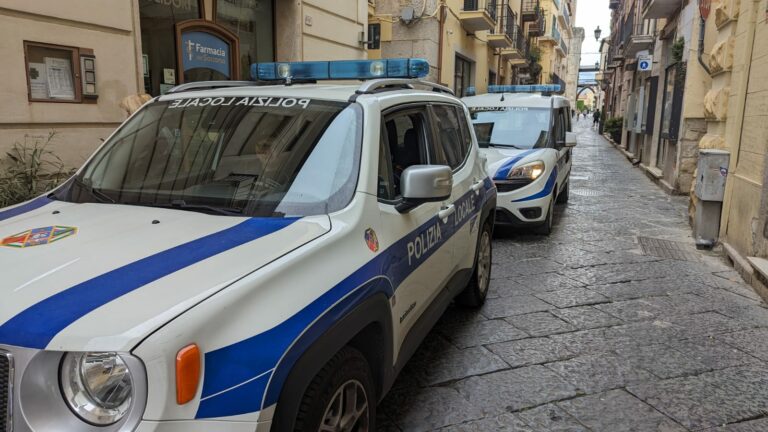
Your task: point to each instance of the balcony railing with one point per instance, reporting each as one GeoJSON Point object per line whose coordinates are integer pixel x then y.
{"type": "Point", "coordinates": [477, 5]}
{"type": "Point", "coordinates": [628, 27]}
{"type": "Point", "coordinates": [479, 15]}
{"type": "Point", "coordinates": [539, 26]}
{"type": "Point", "coordinates": [614, 4]}
{"type": "Point", "coordinates": [642, 37]}
{"type": "Point", "coordinates": [563, 47]}
{"type": "Point", "coordinates": [555, 32]}
{"type": "Point", "coordinates": [530, 10]}
{"type": "Point", "coordinates": [503, 35]}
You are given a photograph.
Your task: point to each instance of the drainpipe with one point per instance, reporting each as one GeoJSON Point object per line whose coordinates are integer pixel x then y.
{"type": "Point", "coordinates": [440, 44]}
{"type": "Point", "coordinates": [701, 45]}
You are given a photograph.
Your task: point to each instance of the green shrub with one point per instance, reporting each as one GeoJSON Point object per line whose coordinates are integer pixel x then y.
{"type": "Point", "coordinates": [613, 128]}
{"type": "Point", "coordinates": [30, 169]}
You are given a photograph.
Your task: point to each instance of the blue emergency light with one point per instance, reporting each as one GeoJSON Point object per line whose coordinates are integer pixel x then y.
{"type": "Point", "coordinates": [340, 70]}
{"type": "Point", "coordinates": [533, 88]}
{"type": "Point", "coordinates": [470, 91]}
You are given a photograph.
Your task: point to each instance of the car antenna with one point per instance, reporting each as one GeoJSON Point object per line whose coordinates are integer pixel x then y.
{"type": "Point", "coordinates": [502, 97]}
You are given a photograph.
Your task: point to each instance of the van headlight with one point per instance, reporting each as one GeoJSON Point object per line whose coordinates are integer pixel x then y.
{"type": "Point", "coordinates": [98, 387]}
{"type": "Point", "coordinates": [529, 171]}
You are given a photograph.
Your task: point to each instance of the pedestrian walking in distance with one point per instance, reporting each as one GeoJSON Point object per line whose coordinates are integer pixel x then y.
{"type": "Point", "coordinates": [595, 117]}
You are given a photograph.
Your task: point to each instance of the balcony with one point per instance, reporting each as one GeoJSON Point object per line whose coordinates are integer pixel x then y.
{"type": "Point", "coordinates": [614, 4]}
{"type": "Point", "coordinates": [659, 8]}
{"type": "Point", "coordinates": [516, 53]}
{"type": "Point", "coordinates": [562, 48]}
{"type": "Point", "coordinates": [555, 79]}
{"type": "Point", "coordinates": [539, 27]}
{"type": "Point", "coordinates": [641, 39]}
{"type": "Point", "coordinates": [478, 15]}
{"type": "Point", "coordinates": [564, 18]}
{"type": "Point", "coordinates": [530, 11]}
{"type": "Point", "coordinates": [503, 35]}
{"type": "Point", "coordinates": [553, 35]}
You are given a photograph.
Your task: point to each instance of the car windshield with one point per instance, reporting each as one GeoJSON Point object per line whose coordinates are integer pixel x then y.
{"type": "Point", "coordinates": [514, 127]}
{"type": "Point", "coordinates": [260, 156]}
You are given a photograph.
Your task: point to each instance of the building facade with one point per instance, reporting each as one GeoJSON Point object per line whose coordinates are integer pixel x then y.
{"type": "Point", "coordinates": [473, 43]}
{"type": "Point", "coordinates": [71, 68]}
{"type": "Point", "coordinates": [655, 83]}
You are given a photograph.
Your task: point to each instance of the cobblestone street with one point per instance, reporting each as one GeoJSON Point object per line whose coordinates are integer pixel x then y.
{"type": "Point", "coordinates": [614, 323]}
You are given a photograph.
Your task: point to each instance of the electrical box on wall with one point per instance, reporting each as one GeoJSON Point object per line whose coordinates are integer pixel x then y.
{"type": "Point", "coordinates": [88, 76]}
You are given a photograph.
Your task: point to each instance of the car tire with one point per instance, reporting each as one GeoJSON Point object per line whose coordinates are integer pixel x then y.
{"type": "Point", "coordinates": [564, 194]}
{"type": "Point", "coordinates": [477, 289]}
{"type": "Point", "coordinates": [546, 227]}
{"type": "Point", "coordinates": [325, 405]}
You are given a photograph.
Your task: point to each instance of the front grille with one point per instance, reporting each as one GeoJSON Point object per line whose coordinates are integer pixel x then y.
{"type": "Point", "coordinates": [511, 185]}
{"type": "Point", "coordinates": [6, 382]}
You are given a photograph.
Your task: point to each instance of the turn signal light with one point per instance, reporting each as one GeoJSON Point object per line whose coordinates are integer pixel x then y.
{"type": "Point", "coordinates": [187, 373]}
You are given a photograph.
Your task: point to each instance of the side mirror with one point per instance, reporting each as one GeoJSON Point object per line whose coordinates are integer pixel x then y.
{"type": "Point", "coordinates": [424, 183]}
{"type": "Point", "coordinates": [570, 139]}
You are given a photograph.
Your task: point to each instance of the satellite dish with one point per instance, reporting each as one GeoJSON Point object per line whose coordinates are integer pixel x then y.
{"type": "Point", "coordinates": [406, 15]}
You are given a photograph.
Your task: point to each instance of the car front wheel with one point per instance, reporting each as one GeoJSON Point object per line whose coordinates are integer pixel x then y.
{"type": "Point", "coordinates": [340, 398]}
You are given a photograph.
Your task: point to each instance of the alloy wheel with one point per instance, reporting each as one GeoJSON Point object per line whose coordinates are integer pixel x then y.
{"type": "Point", "coordinates": [348, 410]}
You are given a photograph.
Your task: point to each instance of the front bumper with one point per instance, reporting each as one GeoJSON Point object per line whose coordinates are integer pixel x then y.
{"type": "Point", "coordinates": [521, 213]}
{"type": "Point", "coordinates": [202, 426]}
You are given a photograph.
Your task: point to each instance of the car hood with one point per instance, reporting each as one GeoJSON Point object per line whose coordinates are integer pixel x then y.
{"type": "Point", "coordinates": [500, 160]}
{"type": "Point", "coordinates": [103, 276]}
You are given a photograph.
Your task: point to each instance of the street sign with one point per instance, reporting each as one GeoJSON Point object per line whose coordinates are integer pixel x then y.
{"type": "Point", "coordinates": [644, 63]}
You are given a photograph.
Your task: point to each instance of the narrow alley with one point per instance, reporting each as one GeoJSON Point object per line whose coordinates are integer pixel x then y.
{"type": "Point", "coordinates": [613, 323]}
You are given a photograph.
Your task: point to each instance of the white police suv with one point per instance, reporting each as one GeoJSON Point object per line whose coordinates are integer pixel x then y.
{"type": "Point", "coordinates": [245, 257]}
{"type": "Point", "coordinates": [525, 133]}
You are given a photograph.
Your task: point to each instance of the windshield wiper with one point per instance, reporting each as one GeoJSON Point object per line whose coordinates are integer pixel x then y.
{"type": "Point", "coordinates": [505, 145]}
{"type": "Point", "coordinates": [182, 205]}
{"type": "Point", "coordinates": [99, 195]}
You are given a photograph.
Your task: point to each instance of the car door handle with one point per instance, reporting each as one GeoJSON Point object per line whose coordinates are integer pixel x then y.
{"type": "Point", "coordinates": [477, 186]}
{"type": "Point", "coordinates": [446, 211]}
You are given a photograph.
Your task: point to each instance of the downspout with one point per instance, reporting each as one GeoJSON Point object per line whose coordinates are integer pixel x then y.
{"type": "Point", "coordinates": [701, 46]}
{"type": "Point", "coordinates": [440, 44]}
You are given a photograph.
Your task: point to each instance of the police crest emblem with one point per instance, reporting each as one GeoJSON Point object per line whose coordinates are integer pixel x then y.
{"type": "Point", "coordinates": [371, 240]}
{"type": "Point", "coordinates": [38, 236]}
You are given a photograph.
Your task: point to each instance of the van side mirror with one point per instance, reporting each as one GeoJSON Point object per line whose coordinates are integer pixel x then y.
{"type": "Point", "coordinates": [424, 183]}
{"type": "Point", "coordinates": [570, 139]}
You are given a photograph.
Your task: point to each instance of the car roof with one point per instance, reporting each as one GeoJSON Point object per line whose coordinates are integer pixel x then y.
{"type": "Point", "coordinates": [531, 100]}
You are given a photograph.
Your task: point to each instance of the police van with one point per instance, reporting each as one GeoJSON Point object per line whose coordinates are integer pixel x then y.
{"type": "Point", "coordinates": [241, 257]}
{"type": "Point", "coordinates": [525, 133]}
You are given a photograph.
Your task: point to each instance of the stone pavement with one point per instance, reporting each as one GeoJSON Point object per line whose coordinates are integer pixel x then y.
{"type": "Point", "coordinates": [614, 323]}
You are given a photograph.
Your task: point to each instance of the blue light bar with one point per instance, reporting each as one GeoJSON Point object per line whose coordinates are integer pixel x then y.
{"type": "Point", "coordinates": [470, 91]}
{"type": "Point", "coordinates": [535, 88]}
{"type": "Point", "coordinates": [340, 70]}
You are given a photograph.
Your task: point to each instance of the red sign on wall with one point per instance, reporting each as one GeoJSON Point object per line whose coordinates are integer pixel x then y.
{"type": "Point", "coordinates": [704, 7]}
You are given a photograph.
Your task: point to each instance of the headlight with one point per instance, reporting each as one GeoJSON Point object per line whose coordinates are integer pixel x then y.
{"type": "Point", "coordinates": [98, 387]}
{"type": "Point", "coordinates": [529, 171]}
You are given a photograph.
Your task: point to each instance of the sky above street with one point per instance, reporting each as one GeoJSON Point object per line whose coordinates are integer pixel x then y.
{"type": "Point", "coordinates": [590, 14]}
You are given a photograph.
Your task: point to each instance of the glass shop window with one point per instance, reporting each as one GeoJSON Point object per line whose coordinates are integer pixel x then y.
{"type": "Point", "coordinates": [251, 21]}
{"type": "Point", "coordinates": [158, 19]}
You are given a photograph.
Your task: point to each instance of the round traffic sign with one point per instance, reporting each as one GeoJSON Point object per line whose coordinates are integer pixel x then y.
{"type": "Point", "coordinates": [644, 65]}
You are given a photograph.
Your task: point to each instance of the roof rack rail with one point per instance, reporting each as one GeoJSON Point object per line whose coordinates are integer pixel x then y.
{"type": "Point", "coordinates": [207, 85]}
{"type": "Point", "coordinates": [385, 84]}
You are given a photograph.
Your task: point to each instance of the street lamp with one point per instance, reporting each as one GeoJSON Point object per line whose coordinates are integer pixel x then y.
{"type": "Point", "coordinates": [597, 33]}
{"type": "Point", "coordinates": [597, 65]}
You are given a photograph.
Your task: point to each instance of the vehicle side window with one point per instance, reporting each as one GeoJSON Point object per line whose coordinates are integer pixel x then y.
{"type": "Point", "coordinates": [560, 126]}
{"type": "Point", "coordinates": [450, 147]}
{"type": "Point", "coordinates": [403, 143]}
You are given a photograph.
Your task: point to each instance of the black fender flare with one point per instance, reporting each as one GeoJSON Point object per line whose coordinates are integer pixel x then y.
{"type": "Point", "coordinates": [314, 348]}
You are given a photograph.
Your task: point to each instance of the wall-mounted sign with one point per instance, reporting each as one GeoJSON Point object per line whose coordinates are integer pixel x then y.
{"type": "Point", "coordinates": [204, 50]}
{"type": "Point", "coordinates": [644, 63]}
